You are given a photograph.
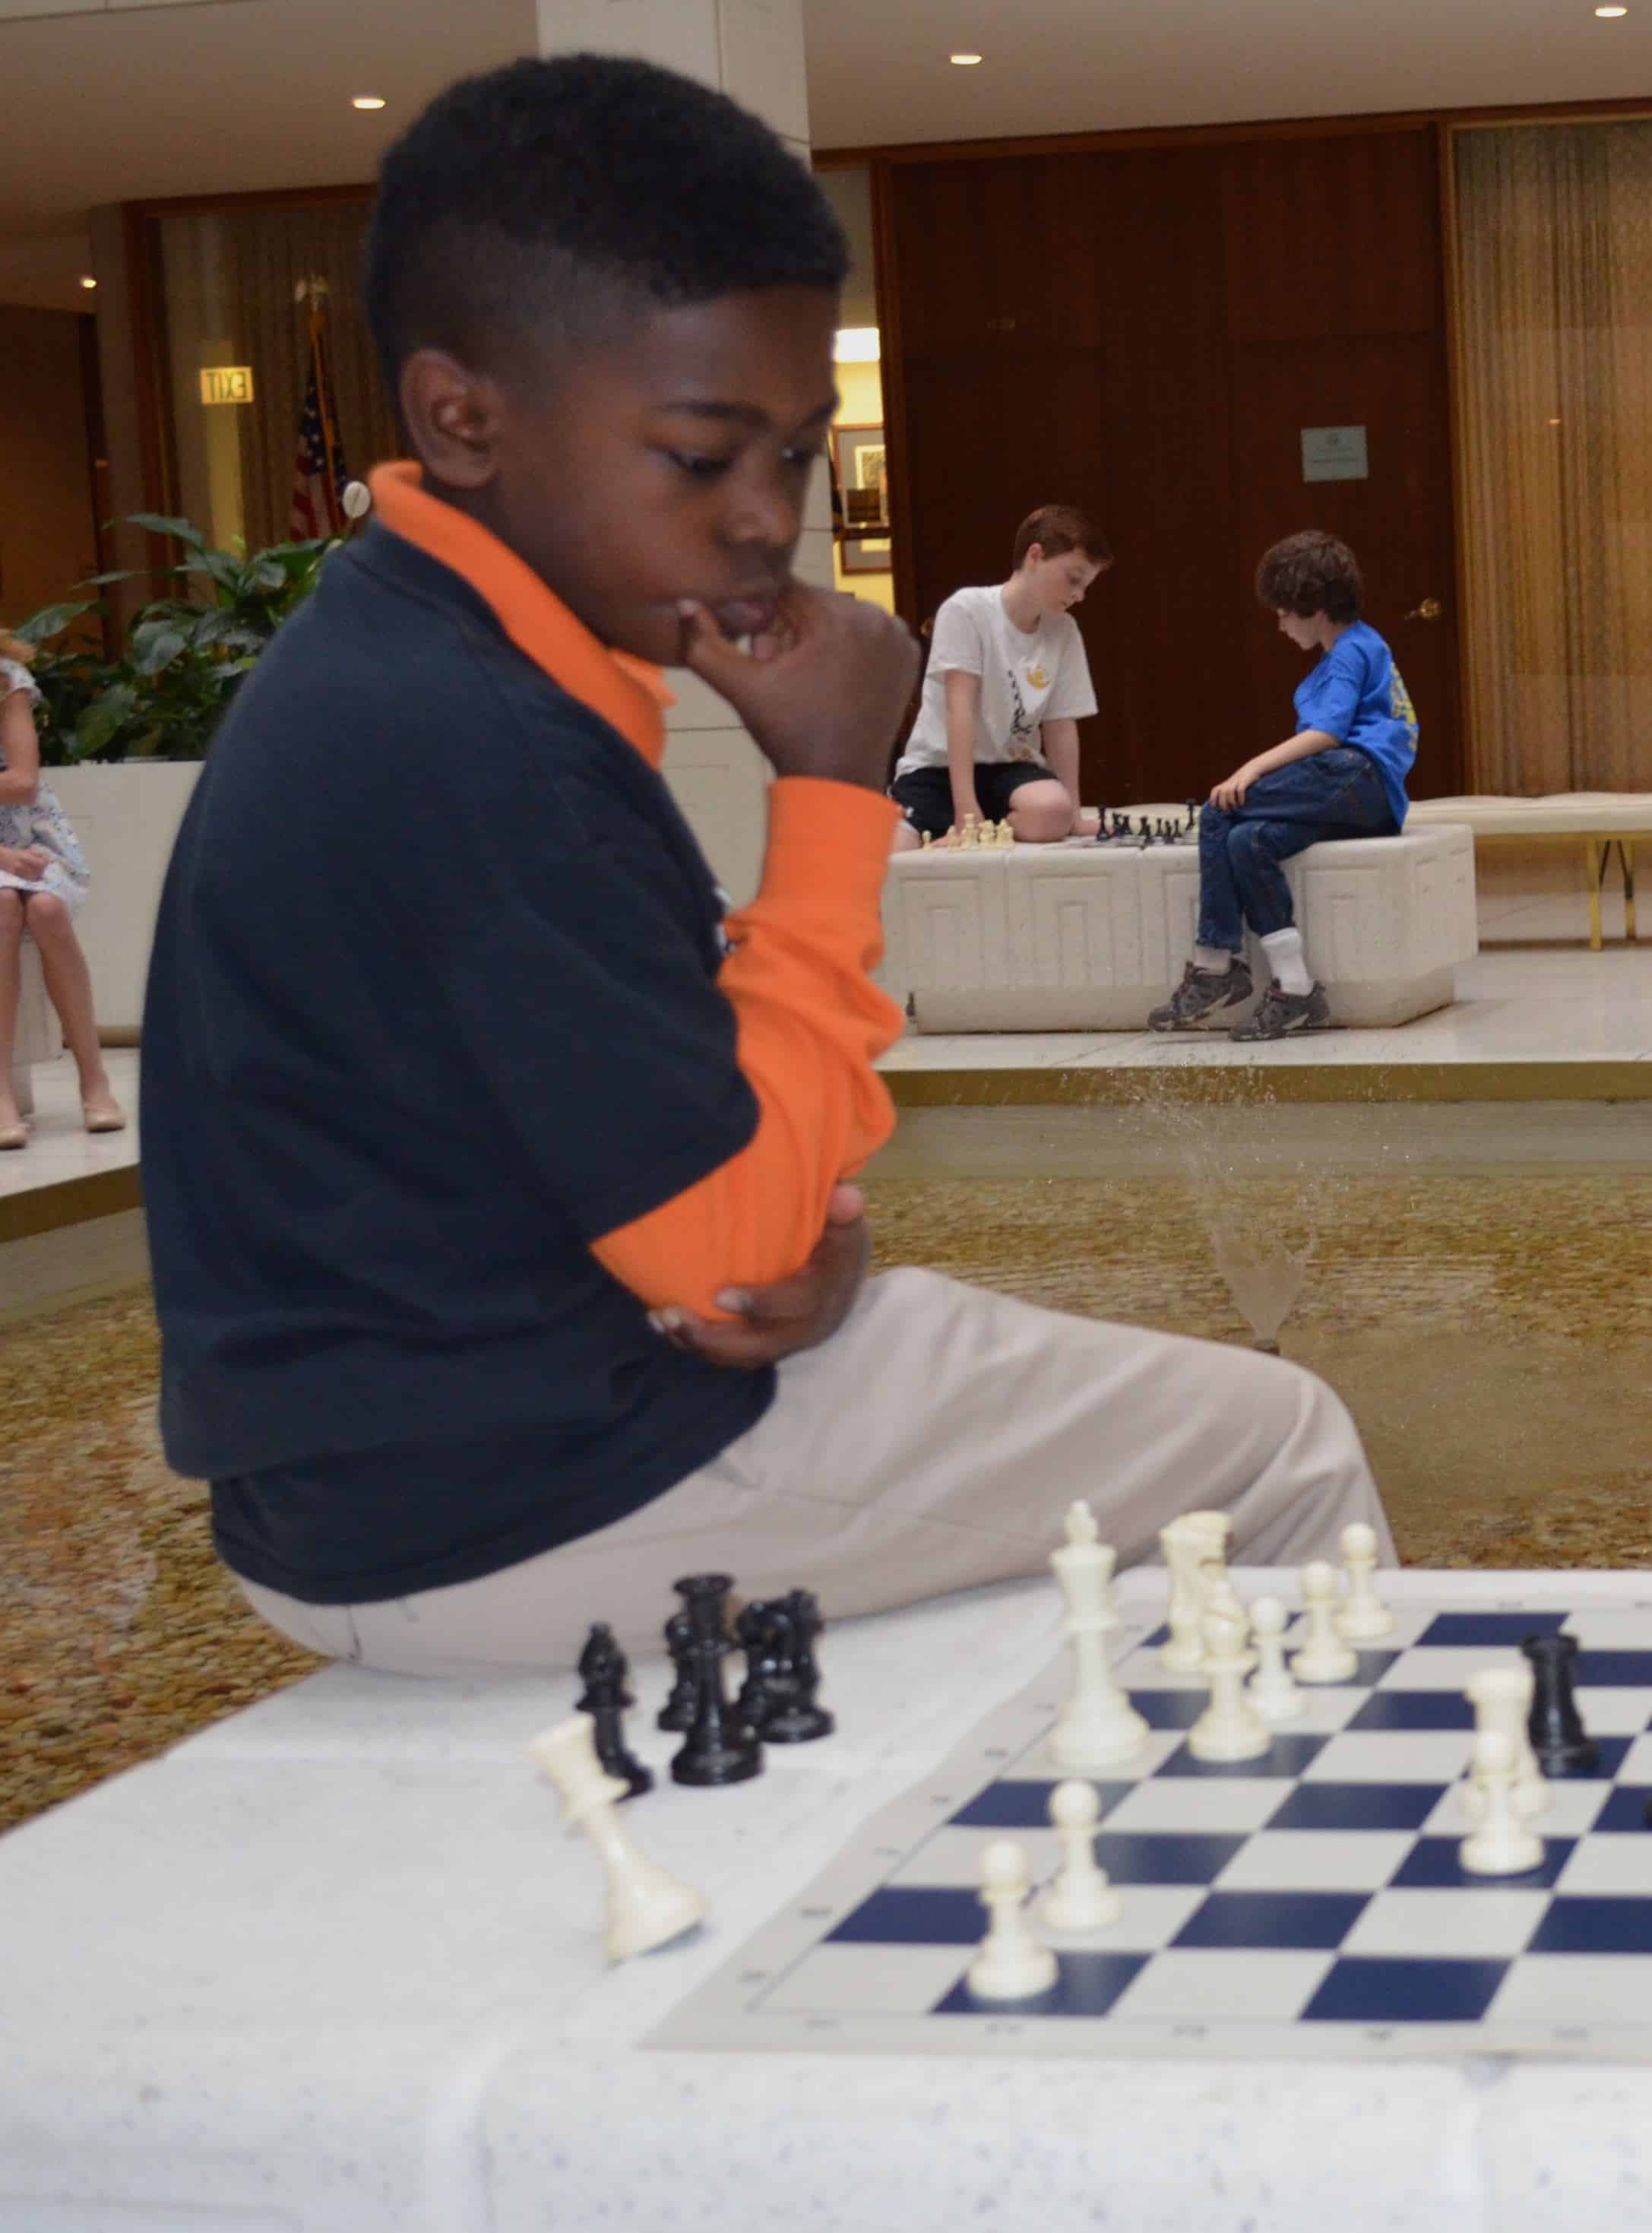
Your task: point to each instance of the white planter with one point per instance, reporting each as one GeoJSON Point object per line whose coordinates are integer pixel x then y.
{"type": "Point", "coordinates": [126, 818]}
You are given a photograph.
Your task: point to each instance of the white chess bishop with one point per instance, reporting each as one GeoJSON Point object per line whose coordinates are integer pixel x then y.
{"type": "Point", "coordinates": [1099, 1727]}
{"type": "Point", "coordinates": [646, 1906]}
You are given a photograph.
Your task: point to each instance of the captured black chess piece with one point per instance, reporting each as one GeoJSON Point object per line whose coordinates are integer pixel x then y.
{"type": "Point", "coordinates": [1193, 814]}
{"type": "Point", "coordinates": [721, 1746]}
{"type": "Point", "coordinates": [678, 1712]}
{"type": "Point", "coordinates": [1562, 1744]}
{"type": "Point", "coordinates": [782, 1677]}
{"type": "Point", "coordinates": [602, 1669]}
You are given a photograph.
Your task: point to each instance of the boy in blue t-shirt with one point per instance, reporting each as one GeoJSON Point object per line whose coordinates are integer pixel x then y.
{"type": "Point", "coordinates": [1341, 775]}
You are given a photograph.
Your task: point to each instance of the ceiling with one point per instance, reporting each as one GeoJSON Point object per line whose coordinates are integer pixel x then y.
{"type": "Point", "coordinates": [225, 95]}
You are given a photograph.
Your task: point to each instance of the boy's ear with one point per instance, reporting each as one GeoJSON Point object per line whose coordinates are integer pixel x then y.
{"type": "Point", "coordinates": [453, 415]}
{"type": "Point", "coordinates": [1034, 555]}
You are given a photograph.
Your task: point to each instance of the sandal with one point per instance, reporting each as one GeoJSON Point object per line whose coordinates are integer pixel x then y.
{"type": "Point", "coordinates": [103, 1116]}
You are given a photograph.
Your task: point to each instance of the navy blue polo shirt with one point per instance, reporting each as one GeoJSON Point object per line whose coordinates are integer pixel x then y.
{"type": "Point", "coordinates": [433, 1006]}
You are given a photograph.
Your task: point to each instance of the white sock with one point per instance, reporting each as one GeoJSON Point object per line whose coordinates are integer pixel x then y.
{"type": "Point", "coordinates": [1216, 959]}
{"type": "Point", "coordinates": [1287, 961]}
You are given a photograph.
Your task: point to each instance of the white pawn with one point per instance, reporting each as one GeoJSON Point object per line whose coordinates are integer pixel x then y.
{"type": "Point", "coordinates": [1230, 1728]}
{"type": "Point", "coordinates": [1273, 1694]}
{"type": "Point", "coordinates": [1501, 1846]}
{"type": "Point", "coordinates": [1082, 1898]}
{"type": "Point", "coordinates": [1324, 1658]}
{"type": "Point", "coordinates": [647, 1904]}
{"type": "Point", "coordinates": [1501, 1697]}
{"type": "Point", "coordinates": [1011, 1964]}
{"type": "Point", "coordinates": [1362, 1617]}
{"type": "Point", "coordinates": [1099, 1726]}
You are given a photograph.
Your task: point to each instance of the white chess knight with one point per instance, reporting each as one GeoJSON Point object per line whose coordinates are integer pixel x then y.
{"type": "Point", "coordinates": [1011, 1964]}
{"type": "Point", "coordinates": [1273, 1693]}
{"type": "Point", "coordinates": [1099, 1726]}
{"type": "Point", "coordinates": [1500, 1845]}
{"type": "Point", "coordinates": [1501, 1697]}
{"type": "Point", "coordinates": [646, 1906]}
{"type": "Point", "coordinates": [1324, 1658]}
{"type": "Point", "coordinates": [1362, 1618]}
{"type": "Point", "coordinates": [1231, 1727]}
{"type": "Point", "coordinates": [1195, 1551]}
{"type": "Point", "coordinates": [1082, 1896]}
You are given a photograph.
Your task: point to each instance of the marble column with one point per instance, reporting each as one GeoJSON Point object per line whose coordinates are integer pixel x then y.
{"type": "Point", "coordinates": [754, 51]}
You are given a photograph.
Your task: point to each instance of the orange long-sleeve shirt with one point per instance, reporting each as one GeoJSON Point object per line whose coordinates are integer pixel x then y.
{"type": "Point", "coordinates": [809, 1023]}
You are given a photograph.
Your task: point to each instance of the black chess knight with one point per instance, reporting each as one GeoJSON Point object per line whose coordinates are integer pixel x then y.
{"type": "Point", "coordinates": [777, 1697]}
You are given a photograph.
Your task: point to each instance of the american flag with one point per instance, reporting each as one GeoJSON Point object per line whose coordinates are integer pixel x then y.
{"type": "Point", "coordinates": [319, 473]}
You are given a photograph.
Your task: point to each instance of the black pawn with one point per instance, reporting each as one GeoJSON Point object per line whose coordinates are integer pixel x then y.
{"type": "Point", "coordinates": [602, 1669]}
{"type": "Point", "coordinates": [1558, 1738]}
{"type": "Point", "coordinates": [678, 1712]}
{"type": "Point", "coordinates": [720, 1747]}
{"type": "Point", "coordinates": [795, 1718]}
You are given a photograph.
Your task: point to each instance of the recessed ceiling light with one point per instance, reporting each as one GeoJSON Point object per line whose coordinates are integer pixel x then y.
{"type": "Point", "coordinates": [964, 61]}
{"type": "Point", "coordinates": [86, 280]}
{"type": "Point", "coordinates": [1554, 422]}
{"type": "Point", "coordinates": [366, 100]}
{"type": "Point", "coordinates": [1611, 11]}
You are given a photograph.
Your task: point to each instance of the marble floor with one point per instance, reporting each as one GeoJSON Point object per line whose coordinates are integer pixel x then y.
{"type": "Point", "coordinates": [1514, 1005]}
{"type": "Point", "coordinates": [60, 1149]}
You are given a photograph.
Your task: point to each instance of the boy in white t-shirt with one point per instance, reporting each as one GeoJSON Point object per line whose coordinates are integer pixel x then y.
{"type": "Point", "coordinates": [1007, 685]}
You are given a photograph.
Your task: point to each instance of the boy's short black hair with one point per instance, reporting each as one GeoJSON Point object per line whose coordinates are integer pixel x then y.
{"type": "Point", "coordinates": [1311, 573]}
{"type": "Point", "coordinates": [1057, 529]}
{"type": "Point", "coordinates": [551, 194]}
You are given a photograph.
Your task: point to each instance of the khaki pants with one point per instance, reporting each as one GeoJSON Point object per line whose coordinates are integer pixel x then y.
{"type": "Point", "coordinates": [933, 1443]}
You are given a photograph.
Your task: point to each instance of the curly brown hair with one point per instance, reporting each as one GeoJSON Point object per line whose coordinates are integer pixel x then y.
{"type": "Point", "coordinates": [1057, 529]}
{"type": "Point", "coordinates": [1311, 573]}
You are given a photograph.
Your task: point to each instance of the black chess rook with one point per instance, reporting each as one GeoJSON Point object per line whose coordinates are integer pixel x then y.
{"type": "Point", "coordinates": [1562, 1744]}
{"type": "Point", "coordinates": [721, 1747]}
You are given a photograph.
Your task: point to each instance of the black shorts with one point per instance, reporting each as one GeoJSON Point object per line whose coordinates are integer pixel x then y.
{"type": "Point", "coordinates": [925, 796]}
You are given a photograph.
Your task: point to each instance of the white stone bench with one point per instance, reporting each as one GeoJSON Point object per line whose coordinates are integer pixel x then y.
{"type": "Point", "coordinates": [38, 1038]}
{"type": "Point", "coordinates": [1596, 821]}
{"type": "Point", "coordinates": [1086, 937]}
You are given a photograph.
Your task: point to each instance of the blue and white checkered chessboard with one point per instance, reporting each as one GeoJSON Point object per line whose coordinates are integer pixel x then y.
{"type": "Point", "coordinates": [1309, 1902]}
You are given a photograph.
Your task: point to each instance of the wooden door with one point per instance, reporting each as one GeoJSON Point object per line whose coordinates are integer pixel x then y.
{"type": "Point", "coordinates": [1146, 332]}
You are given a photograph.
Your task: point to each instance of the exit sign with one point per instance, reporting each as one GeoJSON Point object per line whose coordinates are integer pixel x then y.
{"type": "Point", "coordinates": [226, 383]}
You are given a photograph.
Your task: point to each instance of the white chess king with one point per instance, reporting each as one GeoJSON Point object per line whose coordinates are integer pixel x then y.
{"type": "Point", "coordinates": [1099, 1727]}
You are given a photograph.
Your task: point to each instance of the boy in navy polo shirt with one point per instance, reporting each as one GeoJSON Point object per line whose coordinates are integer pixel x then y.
{"type": "Point", "coordinates": [503, 1257]}
{"type": "Point", "coordinates": [1341, 775]}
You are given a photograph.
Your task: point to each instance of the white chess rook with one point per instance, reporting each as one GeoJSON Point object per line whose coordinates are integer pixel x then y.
{"type": "Point", "coordinates": [1362, 1617]}
{"type": "Point", "coordinates": [1501, 1697]}
{"type": "Point", "coordinates": [1012, 1965]}
{"type": "Point", "coordinates": [1082, 1896]}
{"type": "Point", "coordinates": [1230, 1728]}
{"type": "Point", "coordinates": [1324, 1658]}
{"type": "Point", "coordinates": [1099, 1727]}
{"type": "Point", "coordinates": [1273, 1693]}
{"type": "Point", "coordinates": [646, 1906]}
{"type": "Point", "coordinates": [1501, 1846]}
{"type": "Point", "coordinates": [1195, 1548]}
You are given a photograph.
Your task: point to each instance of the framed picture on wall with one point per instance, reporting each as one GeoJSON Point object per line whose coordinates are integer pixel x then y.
{"type": "Point", "coordinates": [860, 460]}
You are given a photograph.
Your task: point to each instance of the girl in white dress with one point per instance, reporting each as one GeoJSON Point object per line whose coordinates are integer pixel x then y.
{"type": "Point", "coordinates": [43, 881]}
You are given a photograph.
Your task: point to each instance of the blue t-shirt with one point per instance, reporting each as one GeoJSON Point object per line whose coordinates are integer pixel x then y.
{"type": "Point", "coordinates": [1355, 695]}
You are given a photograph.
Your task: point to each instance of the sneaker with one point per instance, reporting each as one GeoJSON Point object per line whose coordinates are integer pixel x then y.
{"type": "Point", "coordinates": [1279, 1013]}
{"type": "Point", "coordinates": [1200, 993]}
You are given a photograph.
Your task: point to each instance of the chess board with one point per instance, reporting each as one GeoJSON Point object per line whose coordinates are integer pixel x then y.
{"type": "Point", "coordinates": [1307, 1902]}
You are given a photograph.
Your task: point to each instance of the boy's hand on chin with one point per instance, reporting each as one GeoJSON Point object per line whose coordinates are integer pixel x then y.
{"type": "Point", "coordinates": [822, 689]}
{"type": "Point", "coordinates": [776, 1321]}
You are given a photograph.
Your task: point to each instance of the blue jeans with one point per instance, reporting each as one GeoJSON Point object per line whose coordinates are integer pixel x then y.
{"type": "Point", "coordinates": [1335, 793]}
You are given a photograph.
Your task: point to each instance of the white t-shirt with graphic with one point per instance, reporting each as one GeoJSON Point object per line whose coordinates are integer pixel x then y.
{"type": "Point", "coordinates": [1025, 679]}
